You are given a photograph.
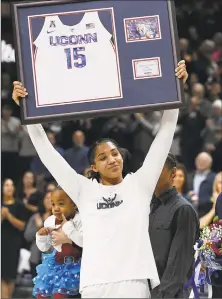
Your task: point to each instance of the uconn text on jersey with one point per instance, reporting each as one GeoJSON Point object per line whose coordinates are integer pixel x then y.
{"type": "Point", "coordinates": [65, 40]}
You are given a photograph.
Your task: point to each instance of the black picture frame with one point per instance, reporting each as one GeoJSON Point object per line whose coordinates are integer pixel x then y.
{"type": "Point", "coordinates": [20, 61]}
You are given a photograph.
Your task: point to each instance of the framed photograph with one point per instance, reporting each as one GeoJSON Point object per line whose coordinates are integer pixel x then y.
{"type": "Point", "coordinates": [142, 28]}
{"type": "Point", "coordinates": [94, 58]}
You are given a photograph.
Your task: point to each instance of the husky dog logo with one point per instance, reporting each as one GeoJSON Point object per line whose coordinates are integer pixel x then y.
{"type": "Point", "coordinates": [109, 202]}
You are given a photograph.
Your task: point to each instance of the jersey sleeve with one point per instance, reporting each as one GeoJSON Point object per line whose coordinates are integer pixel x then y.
{"type": "Point", "coordinates": [43, 243]}
{"type": "Point", "coordinates": [151, 169]}
{"type": "Point", "coordinates": [50, 222]}
{"type": "Point", "coordinates": [73, 230]}
{"type": "Point", "coordinates": [71, 182]}
{"type": "Point", "coordinates": [74, 234]}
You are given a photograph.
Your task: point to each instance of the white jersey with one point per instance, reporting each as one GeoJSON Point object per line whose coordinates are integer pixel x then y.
{"type": "Point", "coordinates": [75, 63]}
{"type": "Point", "coordinates": [116, 244]}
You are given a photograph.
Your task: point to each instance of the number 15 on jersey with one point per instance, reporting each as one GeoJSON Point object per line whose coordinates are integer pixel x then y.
{"type": "Point", "coordinates": [73, 54]}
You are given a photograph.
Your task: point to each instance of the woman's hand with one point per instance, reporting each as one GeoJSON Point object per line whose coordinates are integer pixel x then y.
{"type": "Point", "coordinates": [203, 268]}
{"type": "Point", "coordinates": [38, 221]}
{"type": "Point", "coordinates": [31, 208]}
{"type": "Point", "coordinates": [4, 213]}
{"type": "Point", "coordinates": [59, 237]}
{"type": "Point", "coordinates": [214, 199]}
{"type": "Point", "coordinates": [25, 201]}
{"type": "Point", "coordinates": [18, 92]}
{"type": "Point", "coordinates": [181, 72]}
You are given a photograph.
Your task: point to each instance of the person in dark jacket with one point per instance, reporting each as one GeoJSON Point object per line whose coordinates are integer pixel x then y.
{"type": "Point", "coordinates": [77, 155]}
{"type": "Point", "coordinates": [192, 123]}
{"type": "Point", "coordinates": [173, 229]}
{"type": "Point", "coordinates": [218, 209]}
{"type": "Point", "coordinates": [203, 183]}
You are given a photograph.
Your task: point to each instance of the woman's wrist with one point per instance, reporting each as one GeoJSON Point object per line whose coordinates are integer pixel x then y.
{"type": "Point", "coordinates": [9, 217]}
{"type": "Point", "coordinates": [32, 208]}
{"type": "Point", "coordinates": [39, 226]}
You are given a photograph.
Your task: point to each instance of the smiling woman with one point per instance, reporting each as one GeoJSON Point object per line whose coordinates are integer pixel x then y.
{"type": "Point", "coordinates": [108, 206]}
{"type": "Point", "coordinates": [106, 161]}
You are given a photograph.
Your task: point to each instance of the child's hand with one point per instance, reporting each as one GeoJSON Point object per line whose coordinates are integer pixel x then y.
{"type": "Point", "coordinates": [44, 231]}
{"type": "Point", "coordinates": [59, 238]}
{"type": "Point", "coordinates": [64, 220]}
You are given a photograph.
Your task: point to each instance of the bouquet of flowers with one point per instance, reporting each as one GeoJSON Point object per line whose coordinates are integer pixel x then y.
{"type": "Point", "coordinates": [209, 252]}
{"type": "Point", "coordinates": [208, 259]}
{"type": "Point", "coordinates": [210, 246]}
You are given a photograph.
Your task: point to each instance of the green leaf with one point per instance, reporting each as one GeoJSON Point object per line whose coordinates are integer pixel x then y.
{"type": "Point", "coordinates": [216, 218]}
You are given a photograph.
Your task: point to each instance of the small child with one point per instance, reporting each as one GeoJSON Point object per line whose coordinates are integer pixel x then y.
{"type": "Point", "coordinates": [58, 275]}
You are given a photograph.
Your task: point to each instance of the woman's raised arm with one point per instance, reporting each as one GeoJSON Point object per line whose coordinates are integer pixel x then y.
{"type": "Point", "coordinates": [151, 169]}
{"type": "Point", "coordinates": [63, 173]}
{"type": "Point", "coordinates": [153, 164]}
{"type": "Point", "coordinates": [66, 177]}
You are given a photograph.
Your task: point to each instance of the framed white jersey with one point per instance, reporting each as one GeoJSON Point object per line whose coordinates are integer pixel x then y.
{"type": "Point", "coordinates": [95, 58]}
{"type": "Point", "coordinates": [76, 63]}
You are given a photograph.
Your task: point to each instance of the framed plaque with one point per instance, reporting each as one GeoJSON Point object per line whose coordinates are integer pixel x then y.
{"type": "Point", "coordinates": [95, 58]}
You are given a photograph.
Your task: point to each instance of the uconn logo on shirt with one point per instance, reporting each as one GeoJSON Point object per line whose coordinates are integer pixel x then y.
{"type": "Point", "coordinates": [109, 202]}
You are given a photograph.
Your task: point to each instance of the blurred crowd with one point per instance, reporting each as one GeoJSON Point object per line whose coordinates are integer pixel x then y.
{"type": "Point", "coordinates": [197, 142]}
